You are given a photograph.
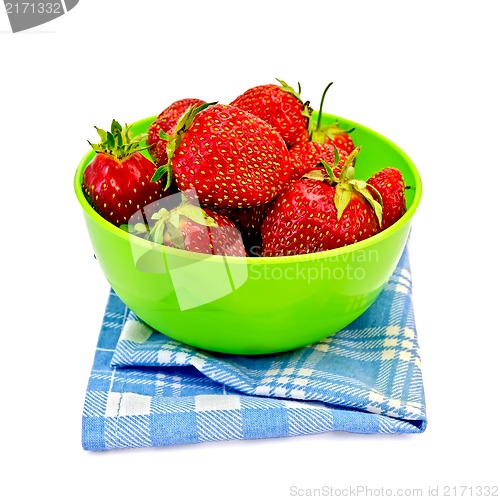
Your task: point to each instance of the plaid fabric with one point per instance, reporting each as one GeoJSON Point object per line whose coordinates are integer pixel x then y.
{"type": "Point", "coordinates": [146, 389]}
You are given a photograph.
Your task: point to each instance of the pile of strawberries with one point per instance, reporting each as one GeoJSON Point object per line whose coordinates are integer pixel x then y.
{"type": "Point", "coordinates": [254, 177]}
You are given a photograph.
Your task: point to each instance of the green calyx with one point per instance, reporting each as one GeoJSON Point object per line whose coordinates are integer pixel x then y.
{"type": "Point", "coordinates": [287, 88]}
{"type": "Point", "coordinates": [346, 184]}
{"type": "Point", "coordinates": [119, 142]}
{"type": "Point", "coordinates": [167, 224]}
{"type": "Point", "coordinates": [173, 141]}
{"type": "Point", "coordinates": [320, 133]}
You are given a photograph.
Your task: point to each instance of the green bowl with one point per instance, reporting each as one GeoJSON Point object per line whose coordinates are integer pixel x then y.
{"type": "Point", "coordinates": [254, 305]}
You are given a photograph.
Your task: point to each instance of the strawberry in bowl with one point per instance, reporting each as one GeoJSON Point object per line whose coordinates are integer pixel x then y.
{"type": "Point", "coordinates": [118, 180]}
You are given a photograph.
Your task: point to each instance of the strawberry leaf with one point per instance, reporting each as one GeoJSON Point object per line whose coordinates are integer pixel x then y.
{"type": "Point", "coordinates": [116, 128]}
{"type": "Point", "coordinates": [187, 118]}
{"type": "Point", "coordinates": [160, 172]}
{"type": "Point", "coordinates": [352, 156]}
{"type": "Point", "coordinates": [347, 172]}
{"type": "Point", "coordinates": [361, 187]}
{"type": "Point", "coordinates": [102, 134]}
{"type": "Point", "coordinates": [377, 192]}
{"type": "Point", "coordinates": [290, 90]}
{"type": "Point", "coordinates": [336, 156]}
{"type": "Point", "coordinates": [342, 198]}
{"type": "Point", "coordinates": [170, 174]}
{"type": "Point", "coordinates": [315, 175]}
{"type": "Point", "coordinates": [175, 236]}
{"type": "Point", "coordinates": [140, 228]}
{"type": "Point", "coordinates": [96, 147]}
{"type": "Point", "coordinates": [175, 218]}
{"type": "Point", "coordinates": [158, 215]}
{"type": "Point", "coordinates": [329, 171]}
{"type": "Point", "coordinates": [119, 142]}
{"type": "Point", "coordinates": [110, 140]}
{"type": "Point", "coordinates": [163, 135]}
{"type": "Point", "coordinates": [377, 207]}
{"type": "Point", "coordinates": [156, 235]}
{"type": "Point", "coordinates": [196, 214]}
{"type": "Point", "coordinates": [358, 184]}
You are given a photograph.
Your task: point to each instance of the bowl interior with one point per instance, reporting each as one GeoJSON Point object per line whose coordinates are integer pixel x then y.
{"type": "Point", "coordinates": [376, 153]}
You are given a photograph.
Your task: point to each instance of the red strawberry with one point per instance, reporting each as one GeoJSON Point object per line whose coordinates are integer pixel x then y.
{"type": "Point", "coordinates": [332, 133]}
{"type": "Point", "coordinates": [117, 182]}
{"type": "Point", "coordinates": [315, 214]}
{"type": "Point", "coordinates": [166, 122]}
{"type": "Point", "coordinates": [189, 227]}
{"type": "Point", "coordinates": [340, 138]}
{"type": "Point", "coordinates": [390, 185]}
{"type": "Point", "coordinates": [281, 107]}
{"type": "Point", "coordinates": [249, 222]}
{"type": "Point", "coordinates": [230, 157]}
{"type": "Point", "coordinates": [307, 156]}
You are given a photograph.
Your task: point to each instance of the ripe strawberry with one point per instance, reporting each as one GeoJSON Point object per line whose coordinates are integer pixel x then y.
{"type": "Point", "coordinates": [307, 156]}
{"type": "Point", "coordinates": [332, 133]}
{"type": "Point", "coordinates": [390, 185]}
{"type": "Point", "coordinates": [232, 158]}
{"type": "Point", "coordinates": [166, 122]}
{"type": "Point", "coordinates": [281, 107]}
{"type": "Point", "coordinates": [340, 138]}
{"type": "Point", "coordinates": [249, 222]}
{"type": "Point", "coordinates": [316, 214]}
{"type": "Point", "coordinates": [190, 227]}
{"type": "Point", "coordinates": [117, 182]}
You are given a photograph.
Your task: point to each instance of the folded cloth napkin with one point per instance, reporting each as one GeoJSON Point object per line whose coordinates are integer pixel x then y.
{"type": "Point", "coordinates": [146, 389]}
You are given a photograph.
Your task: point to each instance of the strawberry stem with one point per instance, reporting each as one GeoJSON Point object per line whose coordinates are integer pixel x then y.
{"type": "Point", "coordinates": [329, 131]}
{"type": "Point", "coordinates": [320, 112]}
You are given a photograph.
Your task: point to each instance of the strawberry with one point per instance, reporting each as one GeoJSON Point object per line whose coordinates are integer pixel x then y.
{"type": "Point", "coordinates": [321, 213]}
{"type": "Point", "coordinates": [340, 138]}
{"type": "Point", "coordinates": [117, 181]}
{"type": "Point", "coordinates": [389, 184]}
{"type": "Point", "coordinates": [187, 226]}
{"type": "Point", "coordinates": [333, 133]}
{"type": "Point", "coordinates": [281, 107]}
{"type": "Point", "coordinates": [166, 122]}
{"type": "Point", "coordinates": [307, 156]}
{"type": "Point", "coordinates": [232, 158]}
{"type": "Point", "coordinates": [248, 221]}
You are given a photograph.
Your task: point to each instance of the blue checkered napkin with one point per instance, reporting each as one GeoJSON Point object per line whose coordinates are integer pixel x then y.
{"type": "Point", "coordinates": [146, 389]}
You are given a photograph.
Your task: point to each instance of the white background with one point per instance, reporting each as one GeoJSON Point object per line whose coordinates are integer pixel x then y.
{"type": "Point", "coordinates": [422, 73]}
